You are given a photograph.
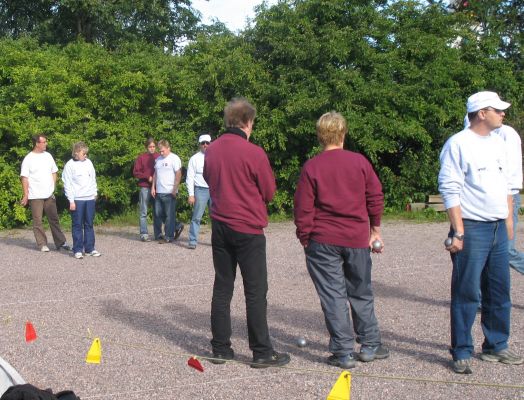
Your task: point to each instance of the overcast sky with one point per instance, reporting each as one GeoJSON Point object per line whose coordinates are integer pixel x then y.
{"type": "Point", "coordinates": [232, 13]}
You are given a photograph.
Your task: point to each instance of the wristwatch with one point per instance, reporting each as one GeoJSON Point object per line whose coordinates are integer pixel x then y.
{"type": "Point", "coordinates": [459, 236]}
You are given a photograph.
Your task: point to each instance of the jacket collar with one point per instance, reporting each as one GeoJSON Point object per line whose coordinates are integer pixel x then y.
{"type": "Point", "coordinates": [236, 131]}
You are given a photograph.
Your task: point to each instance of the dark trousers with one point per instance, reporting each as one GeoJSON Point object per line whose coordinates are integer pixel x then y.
{"type": "Point", "coordinates": [249, 252]}
{"type": "Point", "coordinates": [39, 207]}
{"type": "Point", "coordinates": [342, 275]}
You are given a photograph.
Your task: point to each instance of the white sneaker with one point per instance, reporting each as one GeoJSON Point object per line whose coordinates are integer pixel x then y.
{"type": "Point", "coordinates": [94, 253]}
{"type": "Point", "coordinates": [44, 249]}
{"type": "Point", "coordinates": [79, 255]}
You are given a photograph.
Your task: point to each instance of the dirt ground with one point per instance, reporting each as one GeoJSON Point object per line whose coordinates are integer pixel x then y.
{"type": "Point", "coordinates": [149, 304]}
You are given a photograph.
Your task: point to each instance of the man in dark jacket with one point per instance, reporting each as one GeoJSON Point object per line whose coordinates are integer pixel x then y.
{"type": "Point", "coordinates": [144, 170]}
{"type": "Point", "coordinates": [241, 183]}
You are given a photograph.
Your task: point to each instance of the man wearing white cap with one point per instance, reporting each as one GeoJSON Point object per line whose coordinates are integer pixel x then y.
{"type": "Point", "coordinates": [476, 188]}
{"type": "Point", "coordinates": [197, 189]}
{"type": "Point", "coordinates": [514, 158]}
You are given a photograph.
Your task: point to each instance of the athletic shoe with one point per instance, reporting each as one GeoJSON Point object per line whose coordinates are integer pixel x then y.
{"type": "Point", "coordinates": [222, 358]}
{"type": "Point", "coordinates": [145, 238]}
{"type": "Point", "coordinates": [505, 356]}
{"type": "Point", "coordinates": [79, 255]}
{"type": "Point", "coordinates": [191, 246]}
{"type": "Point", "coordinates": [94, 253]}
{"type": "Point", "coordinates": [65, 246]}
{"type": "Point", "coordinates": [344, 362]}
{"type": "Point", "coordinates": [44, 249]}
{"type": "Point", "coordinates": [178, 232]}
{"type": "Point", "coordinates": [275, 360]}
{"type": "Point", "coordinates": [462, 366]}
{"type": "Point", "coordinates": [370, 353]}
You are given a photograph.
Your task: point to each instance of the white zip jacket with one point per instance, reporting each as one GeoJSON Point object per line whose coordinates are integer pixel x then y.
{"type": "Point", "coordinates": [79, 179]}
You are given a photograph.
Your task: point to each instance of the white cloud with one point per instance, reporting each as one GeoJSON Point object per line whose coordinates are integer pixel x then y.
{"type": "Point", "coordinates": [233, 13]}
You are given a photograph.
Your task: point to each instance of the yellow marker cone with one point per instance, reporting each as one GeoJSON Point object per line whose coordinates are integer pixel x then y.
{"type": "Point", "coordinates": [341, 390]}
{"type": "Point", "coordinates": [95, 352]}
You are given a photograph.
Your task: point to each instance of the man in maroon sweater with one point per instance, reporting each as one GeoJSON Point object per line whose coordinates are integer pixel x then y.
{"type": "Point", "coordinates": [338, 206]}
{"type": "Point", "coordinates": [241, 183]}
{"type": "Point", "coordinates": [144, 170]}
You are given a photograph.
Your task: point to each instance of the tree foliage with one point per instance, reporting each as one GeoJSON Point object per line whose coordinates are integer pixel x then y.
{"type": "Point", "coordinates": [400, 73]}
{"type": "Point", "coordinates": [164, 23]}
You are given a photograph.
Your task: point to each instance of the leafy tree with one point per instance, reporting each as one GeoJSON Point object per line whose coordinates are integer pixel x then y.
{"type": "Point", "coordinates": [164, 23]}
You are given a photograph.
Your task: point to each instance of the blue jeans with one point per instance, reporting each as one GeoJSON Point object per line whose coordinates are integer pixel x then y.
{"type": "Point", "coordinates": [82, 226]}
{"type": "Point", "coordinates": [202, 200]}
{"type": "Point", "coordinates": [165, 213]}
{"type": "Point", "coordinates": [144, 199]}
{"type": "Point", "coordinates": [516, 258]}
{"type": "Point", "coordinates": [483, 263]}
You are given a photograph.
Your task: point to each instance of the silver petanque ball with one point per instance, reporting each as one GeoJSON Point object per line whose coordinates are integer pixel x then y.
{"type": "Point", "coordinates": [301, 341]}
{"type": "Point", "coordinates": [448, 242]}
{"type": "Point", "coordinates": [377, 245]}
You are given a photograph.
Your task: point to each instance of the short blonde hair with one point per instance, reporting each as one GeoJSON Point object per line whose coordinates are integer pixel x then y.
{"type": "Point", "coordinates": [164, 143]}
{"type": "Point", "coordinates": [331, 128]}
{"type": "Point", "coordinates": [79, 147]}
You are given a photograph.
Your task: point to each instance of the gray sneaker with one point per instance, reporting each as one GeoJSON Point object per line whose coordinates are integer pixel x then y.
{"type": "Point", "coordinates": [505, 356]}
{"type": "Point", "coordinates": [370, 353]}
{"type": "Point", "coordinates": [462, 366]}
{"type": "Point", "coordinates": [145, 238]}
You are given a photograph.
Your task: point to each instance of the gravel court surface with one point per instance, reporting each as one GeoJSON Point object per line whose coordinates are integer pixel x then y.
{"type": "Point", "coordinates": [149, 304]}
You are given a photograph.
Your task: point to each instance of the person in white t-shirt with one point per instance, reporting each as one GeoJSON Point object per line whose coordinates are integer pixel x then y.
{"type": "Point", "coordinates": [80, 187]}
{"type": "Point", "coordinates": [197, 189]}
{"type": "Point", "coordinates": [38, 177]}
{"type": "Point", "coordinates": [166, 180]}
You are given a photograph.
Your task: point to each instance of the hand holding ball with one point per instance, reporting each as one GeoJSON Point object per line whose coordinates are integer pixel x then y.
{"type": "Point", "coordinates": [448, 242]}
{"type": "Point", "coordinates": [376, 246]}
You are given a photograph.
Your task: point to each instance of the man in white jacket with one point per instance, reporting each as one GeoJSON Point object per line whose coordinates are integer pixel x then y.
{"type": "Point", "coordinates": [197, 189]}
{"type": "Point", "coordinates": [476, 188]}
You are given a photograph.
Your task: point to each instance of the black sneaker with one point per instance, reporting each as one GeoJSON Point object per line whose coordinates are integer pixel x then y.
{"type": "Point", "coordinates": [275, 360]}
{"type": "Point", "coordinates": [344, 362]}
{"type": "Point", "coordinates": [178, 232]}
{"type": "Point", "coordinates": [221, 358]}
{"type": "Point", "coordinates": [370, 353]}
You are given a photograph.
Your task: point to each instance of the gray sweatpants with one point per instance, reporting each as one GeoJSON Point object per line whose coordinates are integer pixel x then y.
{"type": "Point", "coordinates": [342, 275]}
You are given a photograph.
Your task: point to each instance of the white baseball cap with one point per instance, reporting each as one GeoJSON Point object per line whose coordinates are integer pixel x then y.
{"type": "Point", "coordinates": [481, 100]}
{"type": "Point", "coordinates": [204, 138]}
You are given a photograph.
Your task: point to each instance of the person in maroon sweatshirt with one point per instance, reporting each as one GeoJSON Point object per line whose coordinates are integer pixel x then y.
{"type": "Point", "coordinates": [241, 183]}
{"type": "Point", "coordinates": [338, 207]}
{"type": "Point", "coordinates": [144, 170]}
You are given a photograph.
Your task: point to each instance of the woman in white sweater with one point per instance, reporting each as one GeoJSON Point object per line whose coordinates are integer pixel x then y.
{"type": "Point", "coordinates": [80, 188]}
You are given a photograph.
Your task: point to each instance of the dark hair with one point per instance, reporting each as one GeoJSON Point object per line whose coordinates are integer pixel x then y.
{"type": "Point", "coordinates": [149, 140]}
{"type": "Point", "coordinates": [36, 138]}
{"type": "Point", "coordinates": [238, 112]}
{"type": "Point", "coordinates": [472, 115]}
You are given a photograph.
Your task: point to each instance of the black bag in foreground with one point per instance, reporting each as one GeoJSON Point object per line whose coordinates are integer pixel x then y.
{"type": "Point", "coordinates": [30, 392]}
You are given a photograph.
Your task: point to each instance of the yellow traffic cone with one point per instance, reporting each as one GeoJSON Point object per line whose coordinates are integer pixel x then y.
{"type": "Point", "coordinates": [341, 390]}
{"type": "Point", "coordinates": [95, 352]}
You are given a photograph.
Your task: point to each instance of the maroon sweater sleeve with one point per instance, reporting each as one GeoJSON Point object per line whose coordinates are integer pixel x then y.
{"type": "Point", "coordinates": [304, 207]}
{"type": "Point", "coordinates": [139, 170]}
{"type": "Point", "coordinates": [374, 197]}
{"type": "Point", "coordinates": [265, 178]}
